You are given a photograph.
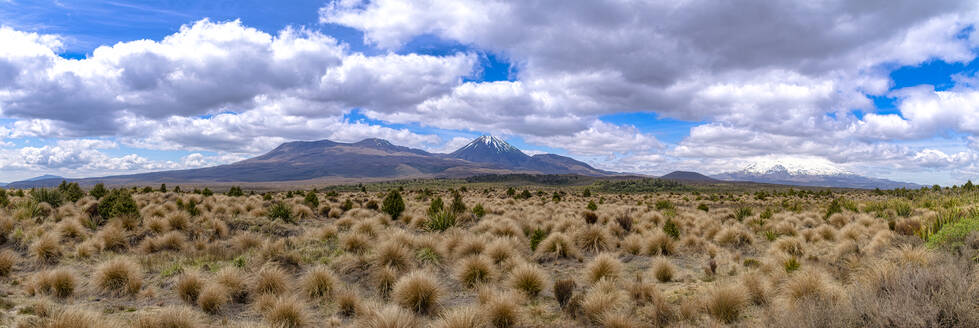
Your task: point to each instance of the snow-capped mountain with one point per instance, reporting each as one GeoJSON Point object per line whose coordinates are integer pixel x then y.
{"type": "Point", "coordinates": [369, 158]}
{"type": "Point", "coordinates": [807, 172]}
{"type": "Point", "coordinates": [490, 149]}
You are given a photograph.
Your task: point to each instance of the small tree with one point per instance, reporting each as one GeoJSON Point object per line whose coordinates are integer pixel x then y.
{"type": "Point", "coordinates": [163, 187]}
{"type": "Point", "coordinates": [117, 203]}
{"type": "Point", "coordinates": [235, 191]}
{"type": "Point", "coordinates": [458, 206]}
{"type": "Point", "coordinates": [207, 192]}
{"type": "Point", "coordinates": [281, 211]}
{"type": "Point", "coordinates": [51, 196]}
{"type": "Point", "coordinates": [592, 206]}
{"type": "Point", "coordinates": [436, 206]}
{"type": "Point", "coordinates": [393, 205]}
{"type": "Point", "coordinates": [4, 200]}
{"type": "Point", "coordinates": [98, 191]}
{"type": "Point", "coordinates": [510, 192]}
{"type": "Point", "coordinates": [312, 200]}
{"type": "Point", "coordinates": [586, 193]}
{"type": "Point", "coordinates": [969, 186]}
{"type": "Point", "coordinates": [71, 191]}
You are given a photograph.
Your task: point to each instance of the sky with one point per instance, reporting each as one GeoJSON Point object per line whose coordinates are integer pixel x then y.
{"type": "Point", "coordinates": [885, 89]}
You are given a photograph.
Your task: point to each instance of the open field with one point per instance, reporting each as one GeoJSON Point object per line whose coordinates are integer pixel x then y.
{"type": "Point", "coordinates": [479, 255]}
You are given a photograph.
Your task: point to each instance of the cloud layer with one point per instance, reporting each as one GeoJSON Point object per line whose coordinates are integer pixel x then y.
{"type": "Point", "coordinates": [766, 78]}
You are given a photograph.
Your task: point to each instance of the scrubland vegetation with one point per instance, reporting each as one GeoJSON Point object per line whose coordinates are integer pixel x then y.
{"type": "Point", "coordinates": [488, 255]}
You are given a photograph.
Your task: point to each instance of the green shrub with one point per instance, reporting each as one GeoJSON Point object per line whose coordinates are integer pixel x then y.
{"type": "Point", "coordinates": [536, 237]}
{"type": "Point", "coordinates": [835, 206]}
{"type": "Point", "coordinates": [586, 193]}
{"type": "Point", "coordinates": [510, 192]}
{"type": "Point", "coordinates": [457, 206]}
{"type": "Point", "coordinates": [312, 200]}
{"type": "Point", "coordinates": [951, 235]}
{"type": "Point", "coordinates": [591, 206]}
{"type": "Point", "coordinates": [670, 229]}
{"type": "Point", "coordinates": [902, 208]}
{"type": "Point", "coordinates": [235, 191]}
{"type": "Point", "coordinates": [435, 206]}
{"type": "Point", "coordinates": [441, 220]}
{"type": "Point", "coordinates": [742, 212]}
{"type": "Point", "coordinates": [207, 192]}
{"type": "Point", "coordinates": [281, 211]}
{"type": "Point", "coordinates": [664, 204]}
{"type": "Point", "coordinates": [347, 205]}
{"type": "Point", "coordinates": [703, 207]}
{"type": "Point", "coordinates": [4, 200]}
{"type": "Point", "coordinates": [393, 205]}
{"type": "Point", "coordinates": [51, 196]}
{"type": "Point", "coordinates": [71, 192]}
{"type": "Point", "coordinates": [791, 265]}
{"type": "Point", "coordinates": [525, 194]}
{"type": "Point", "coordinates": [118, 203]}
{"type": "Point", "coordinates": [479, 211]}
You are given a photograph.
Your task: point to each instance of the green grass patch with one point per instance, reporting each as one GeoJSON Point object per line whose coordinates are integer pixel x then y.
{"type": "Point", "coordinates": [951, 235]}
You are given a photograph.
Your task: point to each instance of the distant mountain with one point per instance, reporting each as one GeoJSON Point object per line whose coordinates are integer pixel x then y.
{"type": "Point", "coordinates": [688, 176]}
{"type": "Point", "coordinates": [44, 177]}
{"type": "Point", "coordinates": [811, 173]}
{"type": "Point", "coordinates": [369, 158]}
{"type": "Point", "coordinates": [492, 150]}
{"type": "Point", "coordinates": [38, 181]}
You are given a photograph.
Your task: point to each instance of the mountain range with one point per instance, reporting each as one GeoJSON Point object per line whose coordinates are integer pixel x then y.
{"type": "Point", "coordinates": [378, 159]}
{"type": "Point", "coordinates": [369, 158]}
{"type": "Point", "coordinates": [809, 174]}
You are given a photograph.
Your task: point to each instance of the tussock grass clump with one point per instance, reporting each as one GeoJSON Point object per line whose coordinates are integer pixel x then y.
{"type": "Point", "coordinates": [348, 303]}
{"type": "Point", "coordinates": [234, 280]}
{"type": "Point", "coordinates": [733, 237]}
{"type": "Point", "coordinates": [563, 291]}
{"type": "Point", "coordinates": [463, 317]}
{"type": "Point", "coordinates": [392, 254]}
{"type": "Point", "coordinates": [319, 282]}
{"type": "Point", "coordinates": [617, 320]}
{"type": "Point", "coordinates": [663, 269]}
{"type": "Point", "coordinates": [287, 312]}
{"type": "Point", "coordinates": [501, 310]}
{"type": "Point", "coordinates": [118, 276]}
{"type": "Point", "coordinates": [726, 303]}
{"type": "Point", "coordinates": [418, 291]}
{"type": "Point", "coordinates": [47, 249]}
{"type": "Point", "coordinates": [556, 246]}
{"type": "Point", "coordinates": [169, 317]}
{"type": "Point", "coordinates": [474, 270]}
{"type": "Point", "coordinates": [8, 262]}
{"type": "Point", "coordinates": [58, 282]}
{"type": "Point", "coordinates": [113, 238]}
{"type": "Point", "coordinates": [593, 238]}
{"type": "Point", "coordinates": [213, 298]}
{"type": "Point", "coordinates": [390, 317]}
{"type": "Point", "coordinates": [78, 318]}
{"type": "Point", "coordinates": [660, 244]}
{"type": "Point", "coordinates": [189, 286]}
{"type": "Point", "coordinates": [270, 280]}
{"type": "Point", "coordinates": [603, 266]}
{"type": "Point", "coordinates": [602, 298]}
{"type": "Point", "coordinates": [529, 279]}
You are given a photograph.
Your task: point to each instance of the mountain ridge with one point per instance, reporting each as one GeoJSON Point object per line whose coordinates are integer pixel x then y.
{"type": "Point", "coordinates": [368, 158]}
{"type": "Point", "coordinates": [809, 174]}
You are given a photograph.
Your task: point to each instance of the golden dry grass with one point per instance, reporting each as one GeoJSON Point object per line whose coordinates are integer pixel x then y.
{"type": "Point", "coordinates": [631, 262]}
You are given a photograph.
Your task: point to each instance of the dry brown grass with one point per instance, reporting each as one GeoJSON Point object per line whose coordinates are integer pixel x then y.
{"type": "Point", "coordinates": [418, 291]}
{"type": "Point", "coordinates": [118, 276]}
{"type": "Point", "coordinates": [233, 266]}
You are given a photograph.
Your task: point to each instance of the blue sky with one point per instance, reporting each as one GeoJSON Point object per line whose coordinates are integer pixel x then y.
{"type": "Point", "coordinates": [91, 88]}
